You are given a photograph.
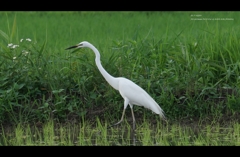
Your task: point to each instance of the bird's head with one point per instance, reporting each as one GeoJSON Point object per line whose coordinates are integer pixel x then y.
{"type": "Point", "coordinates": [81, 44]}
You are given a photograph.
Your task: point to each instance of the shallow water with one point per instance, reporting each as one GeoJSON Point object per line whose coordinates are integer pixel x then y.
{"type": "Point", "coordinates": [171, 135]}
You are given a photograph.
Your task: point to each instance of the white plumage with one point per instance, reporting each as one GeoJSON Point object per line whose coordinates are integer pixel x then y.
{"type": "Point", "coordinates": [131, 92]}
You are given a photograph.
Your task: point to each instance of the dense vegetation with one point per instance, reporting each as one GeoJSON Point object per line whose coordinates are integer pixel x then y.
{"type": "Point", "coordinates": [187, 61]}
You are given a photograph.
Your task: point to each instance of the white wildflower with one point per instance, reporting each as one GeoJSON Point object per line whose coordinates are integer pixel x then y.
{"type": "Point", "coordinates": [21, 40]}
{"type": "Point", "coordinates": [14, 58]}
{"type": "Point", "coordinates": [10, 45]}
{"type": "Point", "coordinates": [14, 46]}
{"type": "Point", "coordinates": [28, 39]}
{"type": "Point", "coordinates": [24, 52]}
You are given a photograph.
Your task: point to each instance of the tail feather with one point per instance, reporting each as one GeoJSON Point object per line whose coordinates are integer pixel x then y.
{"type": "Point", "coordinates": [158, 110]}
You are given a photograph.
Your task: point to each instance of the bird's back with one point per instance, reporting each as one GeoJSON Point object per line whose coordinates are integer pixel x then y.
{"type": "Point", "coordinates": [138, 96]}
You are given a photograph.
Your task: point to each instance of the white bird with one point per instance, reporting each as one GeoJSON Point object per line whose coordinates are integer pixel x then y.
{"type": "Point", "coordinates": [131, 92]}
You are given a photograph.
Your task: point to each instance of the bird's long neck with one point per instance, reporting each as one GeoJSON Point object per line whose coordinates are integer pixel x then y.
{"type": "Point", "coordinates": [110, 79]}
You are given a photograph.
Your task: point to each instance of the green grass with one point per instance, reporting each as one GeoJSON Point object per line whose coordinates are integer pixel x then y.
{"type": "Point", "coordinates": [190, 67]}
{"type": "Point", "coordinates": [173, 134]}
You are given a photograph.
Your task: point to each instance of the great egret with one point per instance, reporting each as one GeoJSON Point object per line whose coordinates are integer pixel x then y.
{"type": "Point", "coordinates": [131, 92]}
